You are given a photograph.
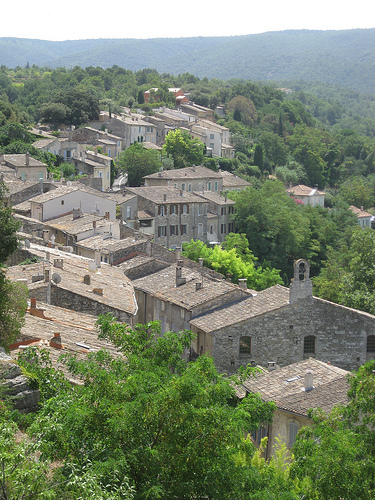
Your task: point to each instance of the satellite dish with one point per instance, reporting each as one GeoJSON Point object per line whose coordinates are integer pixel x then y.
{"type": "Point", "coordinates": [27, 243]}
{"type": "Point", "coordinates": [56, 278]}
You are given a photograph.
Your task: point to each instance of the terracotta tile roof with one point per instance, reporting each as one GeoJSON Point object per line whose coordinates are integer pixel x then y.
{"type": "Point", "coordinates": [19, 160]}
{"type": "Point", "coordinates": [186, 173]}
{"type": "Point", "coordinates": [255, 305]}
{"type": "Point", "coordinates": [285, 386]}
{"type": "Point", "coordinates": [302, 190]}
{"type": "Point", "coordinates": [156, 194]}
{"type": "Point", "coordinates": [78, 333]}
{"type": "Point", "coordinates": [359, 212]}
{"type": "Point", "coordinates": [215, 197]}
{"type": "Point", "coordinates": [78, 225]}
{"type": "Point", "coordinates": [162, 285]}
{"type": "Point", "coordinates": [118, 292]}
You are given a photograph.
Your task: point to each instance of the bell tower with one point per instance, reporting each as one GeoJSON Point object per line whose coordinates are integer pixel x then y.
{"type": "Point", "coordinates": [301, 286]}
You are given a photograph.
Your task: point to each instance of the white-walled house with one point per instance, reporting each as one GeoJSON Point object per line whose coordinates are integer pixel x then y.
{"type": "Point", "coordinates": [65, 199]}
{"type": "Point", "coordinates": [308, 195]}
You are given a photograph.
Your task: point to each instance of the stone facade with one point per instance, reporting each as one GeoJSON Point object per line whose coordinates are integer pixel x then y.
{"type": "Point", "coordinates": [286, 326]}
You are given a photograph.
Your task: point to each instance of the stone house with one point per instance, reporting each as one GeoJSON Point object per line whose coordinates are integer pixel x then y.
{"type": "Point", "coordinates": [285, 326]}
{"type": "Point", "coordinates": [49, 144]}
{"type": "Point", "coordinates": [232, 182]}
{"type": "Point", "coordinates": [77, 283]}
{"type": "Point", "coordinates": [191, 179]}
{"type": "Point", "coordinates": [295, 389]}
{"type": "Point", "coordinates": [199, 112]}
{"type": "Point", "coordinates": [131, 128]}
{"type": "Point", "coordinates": [173, 216]}
{"type": "Point", "coordinates": [364, 218]}
{"type": "Point", "coordinates": [219, 216]}
{"type": "Point", "coordinates": [25, 166]}
{"type": "Point", "coordinates": [151, 95]}
{"type": "Point", "coordinates": [111, 144]}
{"type": "Point", "coordinates": [95, 165]}
{"type": "Point", "coordinates": [308, 195]}
{"type": "Point", "coordinates": [214, 136]}
{"type": "Point", "coordinates": [176, 294]}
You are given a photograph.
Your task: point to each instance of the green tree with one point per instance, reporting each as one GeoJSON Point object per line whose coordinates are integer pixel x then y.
{"type": "Point", "coordinates": [184, 150]}
{"type": "Point", "coordinates": [55, 113]}
{"type": "Point", "coordinates": [175, 429]}
{"type": "Point", "coordinates": [138, 161]}
{"type": "Point", "coordinates": [235, 259]}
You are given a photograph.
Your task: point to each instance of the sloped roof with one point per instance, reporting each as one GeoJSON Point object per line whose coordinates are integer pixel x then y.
{"type": "Point", "coordinates": [359, 212]}
{"type": "Point", "coordinates": [165, 194]}
{"type": "Point", "coordinates": [259, 303]}
{"type": "Point", "coordinates": [162, 285]}
{"type": "Point", "coordinates": [194, 172]}
{"type": "Point", "coordinates": [286, 386]}
{"type": "Point", "coordinates": [301, 190]}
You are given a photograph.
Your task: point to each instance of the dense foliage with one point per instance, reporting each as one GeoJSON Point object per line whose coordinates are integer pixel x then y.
{"type": "Point", "coordinates": [233, 259]}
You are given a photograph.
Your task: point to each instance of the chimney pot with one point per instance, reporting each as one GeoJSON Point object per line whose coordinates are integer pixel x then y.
{"type": "Point", "coordinates": [309, 386]}
{"type": "Point", "coordinates": [87, 279]}
{"type": "Point", "coordinates": [33, 302]}
{"type": "Point", "coordinates": [271, 366]}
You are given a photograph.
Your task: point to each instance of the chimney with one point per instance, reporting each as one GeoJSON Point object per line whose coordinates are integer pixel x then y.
{"type": "Point", "coordinates": [94, 226]}
{"type": "Point", "coordinates": [98, 291]}
{"type": "Point", "coordinates": [200, 260]}
{"type": "Point", "coordinates": [242, 282]}
{"type": "Point", "coordinates": [45, 235]}
{"type": "Point", "coordinates": [107, 215]}
{"type": "Point", "coordinates": [87, 279]}
{"type": "Point", "coordinates": [271, 366]}
{"type": "Point", "coordinates": [33, 303]}
{"type": "Point", "coordinates": [56, 341]}
{"type": "Point", "coordinates": [309, 381]}
{"type": "Point", "coordinates": [46, 276]}
{"type": "Point", "coordinates": [361, 208]}
{"type": "Point", "coordinates": [178, 254]}
{"type": "Point", "coordinates": [198, 286]}
{"type": "Point", "coordinates": [59, 263]}
{"type": "Point", "coordinates": [76, 213]}
{"type": "Point", "coordinates": [165, 197]}
{"type": "Point", "coordinates": [27, 159]}
{"type": "Point", "coordinates": [179, 279]}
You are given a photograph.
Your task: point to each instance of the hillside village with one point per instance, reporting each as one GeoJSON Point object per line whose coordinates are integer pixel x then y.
{"type": "Point", "coordinates": [97, 249]}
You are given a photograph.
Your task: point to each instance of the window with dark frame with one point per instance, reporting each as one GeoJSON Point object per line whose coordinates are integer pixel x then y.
{"type": "Point", "coordinates": [370, 348]}
{"type": "Point", "coordinates": [309, 344]}
{"type": "Point", "coordinates": [245, 345]}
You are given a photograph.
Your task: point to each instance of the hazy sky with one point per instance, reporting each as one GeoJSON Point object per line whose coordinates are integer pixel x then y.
{"type": "Point", "coordinates": [79, 19]}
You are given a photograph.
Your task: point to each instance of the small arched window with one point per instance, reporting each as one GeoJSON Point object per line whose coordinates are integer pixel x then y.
{"type": "Point", "coordinates": [371, 344]}
{"type": "Point", "coordinates": [245, 345]}
{"type": "Point", "coordinates": [309, 344]}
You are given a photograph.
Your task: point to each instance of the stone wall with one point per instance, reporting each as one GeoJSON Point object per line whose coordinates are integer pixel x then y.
{"type": "Point", "coordinates": [340, 336]}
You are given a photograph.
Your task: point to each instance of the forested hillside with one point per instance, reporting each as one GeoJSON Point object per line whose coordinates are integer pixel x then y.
{"type": "Point", "coordinates": [345, 58]}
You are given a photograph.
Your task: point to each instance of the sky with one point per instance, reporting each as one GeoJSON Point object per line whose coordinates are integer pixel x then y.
{"type": "Point", "coordinates": [80, 19]}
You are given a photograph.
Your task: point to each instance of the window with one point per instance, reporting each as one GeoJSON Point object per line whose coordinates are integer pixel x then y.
{"type": "Point", "coordinates": [199, 209]}
{"type": "Point", "coordinates": [245, 345]}
{"type": "Point", "coordinates": [23, 176]}
{"type": "Point", "coordinates": [258, 435]}
{"type": "Point", "coordinates": [189, 187]}
{"type": "Point", "coordinates": [212, 136]}
{"type": "Point", "coordinates": [41, 176]}
{"type": "Point", "coordinates": [184, 229]}
{"type": "Point", "coordinates": [209, 186]}
{"type": "Point", "coordinates": [309, 344]}
{"type": "Point", "coordinates": [162, 231]}
{"type": "Point", "coordinates": [67, 154]}
{"type": "Point", "coordinates": [371, 344]}
{"type": "Point", "coordinates": [231, 227]}
{"type": "Point", "coordinates": [162, 210]}
{"type": "Point", "coordinates": [230, 210]}
{"type": "Point", "coordinates": [200, 228]}
{"type": "Point", "coordinates": [174, 209]}
{"type": "Point", "coordinates": [162, 305]}
{"type": "Point", "coordinates": [109, 152]}
{"type": "Point", "coordinates": [185, 209]}
{"type": "Point", "coordinates": [293, 430]}
{"type": "Point", "coordinates": [183, 186]}
{"type": "Point", "coordinates": [62, 202]}
{"type": "Point", "coordinates": [211, 229]}
{"type": "Point", "coordinates": [216, 186]}
{"type": "Point", "coordinates": [223, 210]}
{"type": "Point", "coordinates": [128, 212]}
{"type": "Point", "coordinates": [173, 230]}
{"type": "Point", "coordinates": [223, 228]}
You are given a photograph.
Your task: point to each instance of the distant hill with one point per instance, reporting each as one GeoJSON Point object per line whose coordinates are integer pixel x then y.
{"type": "Point", "coordinates": [345, 58]}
